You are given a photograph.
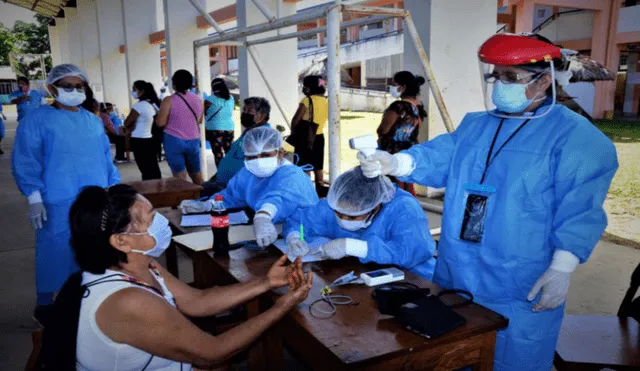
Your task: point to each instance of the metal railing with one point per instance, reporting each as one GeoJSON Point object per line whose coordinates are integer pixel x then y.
{"type": "Point", "coordinates": [553, 17]}
{"type": "Point", "coordinates": [323, 49]}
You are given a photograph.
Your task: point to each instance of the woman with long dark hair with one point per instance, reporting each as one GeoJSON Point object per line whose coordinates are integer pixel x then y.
{"type": "Point", "coordinates": [219, 119]}
{"type": "Point", "coordinates": [314, 107]}
{"type": "Point", "coordinates": [402, 120]}
{"type": "Point", "coordinates": [124, 311]}
{"type": "Point", "coordinates": [139, 125]}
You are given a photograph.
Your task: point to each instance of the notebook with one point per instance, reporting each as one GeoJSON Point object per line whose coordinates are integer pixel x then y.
{"type": "Point", "coordinates": [203, 240]}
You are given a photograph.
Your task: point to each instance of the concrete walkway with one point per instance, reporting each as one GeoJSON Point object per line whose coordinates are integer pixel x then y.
{"type": "Point", "coordinates": [597, 286]}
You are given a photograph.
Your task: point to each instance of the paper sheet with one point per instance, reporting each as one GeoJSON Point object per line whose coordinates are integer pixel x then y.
{"type": "Point", "coordinates": [203, 240]}
{"type": "Point", "coordinates": [314, 244]}
{"type": "Point", "coordinates": [204, 220]}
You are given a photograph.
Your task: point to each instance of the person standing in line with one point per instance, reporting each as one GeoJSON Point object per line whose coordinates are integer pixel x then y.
{"type": "Point", "coordinates": [119, 139]}
{"type": "Point", "coordinates": [401, 121]}
{"type": "Point", "coordinates": [219, 119]}
{"type": "Point", "coordinates": [25, 98]}
{"type": "Point", "coordinates": [313, 107]}
{"type": "Point", "coordinates": [180, 114]}
{"type": "Point", "coordinates": [2, 128]}
{"type": "Point", "coordinates": [139, 124]}
{"type": "Point", "coordinates": [59, 150]}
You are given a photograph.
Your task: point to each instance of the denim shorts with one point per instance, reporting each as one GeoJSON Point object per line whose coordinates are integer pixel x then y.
{"type": "Point", "coordinates": [182, 154]}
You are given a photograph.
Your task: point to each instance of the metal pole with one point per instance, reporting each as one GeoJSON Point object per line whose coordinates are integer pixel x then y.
{"type": "Point", "coordinates": [264, 10]}
{"type": "Point", "coordinates": [355, 22]}
{"type": "Point", "coordinates": [431, 79]}
{"type": "Point", "coordinates": [203, 140]}
{"type": "Point", "coordinates": [333, 75]}
{"type": "Point", "coordinates": [206, 16]}
{"type": "Point", "coordinates": [126, 55]}
{"type": "Point", "coordinates": [167, 43]}
{"type": "Point", "coordinates": [43, 66]}
{"type": "Point", "coordinates": [266, 81]}
{"type": "Point", "coordinates": [291, 20]}
{"type": "Point", "coordinates": [374, 10]}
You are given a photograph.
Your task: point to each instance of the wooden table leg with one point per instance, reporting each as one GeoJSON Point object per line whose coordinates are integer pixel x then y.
{"type": "Point", "coordinates": [487, 351]}
{"type": "Point", "coordinates": [203, 270]}
{"type": "Point", "coordinates": [172, 260]}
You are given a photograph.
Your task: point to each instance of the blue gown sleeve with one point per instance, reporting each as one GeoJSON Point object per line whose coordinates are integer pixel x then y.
{"type": "Point", "coordinates": [585, 166]}
{"type": "Point", "coordinates": [432, 159]}
{"type": "Point", "coordinates": [317, 221]}
{"type": "Point", "coordinates": [27, 162]}
{"type": "Point", "coordinates": [232, 195]}
{"type": "Point", "coordinates": [114, 174]}
{"type": "Point", "coordinates": [410, 243]}
{"type": "Point", "coordinates": [291, 188]}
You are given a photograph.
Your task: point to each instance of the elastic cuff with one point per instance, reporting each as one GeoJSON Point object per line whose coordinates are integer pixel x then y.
{"type": "Point", "coordinates": [292, 235]}
{"type": "Point", "coordinates": [564, 261]}
{"type": "Point", "coordinates": [270, 209]}
{"type": "Point", "coordinates": [406, 165]}
{"type": "Point", "coordinates": [35, 198]}
{"type": "Point", "coordinates": [357, 248]}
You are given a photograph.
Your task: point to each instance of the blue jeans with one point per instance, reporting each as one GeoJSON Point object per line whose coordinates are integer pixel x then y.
{"type": "Point", "coordinates": [182, 154]}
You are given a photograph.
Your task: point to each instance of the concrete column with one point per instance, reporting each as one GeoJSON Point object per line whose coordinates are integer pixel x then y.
{"type": "Point", "coordinates": [91, 45]}
{"type": "Point", "coordinates": [605, 90]}
{"type": "Point", "coordinates": [629, 91]}
{"type": "Point", "coordinates": [363, 73]}
{"type": "Point", "coordinates": [180, 31]}
{"type": "Point", "coordinates": [54, 45]}
{"type": "Point", "coordinates": [74, 33]}
{"type": "Point", "coordinates": [142, 58]}
{"type": "Point", "coordinates": [524, 16]}
{"type": "Point", "coordinates": [114, 68]}
{"type": "Point", "coordinates": [283, 80]}
{"type": "Point", "coordinates": [320, 23]}
{"type": "Point", "coordinates": [63, 40]}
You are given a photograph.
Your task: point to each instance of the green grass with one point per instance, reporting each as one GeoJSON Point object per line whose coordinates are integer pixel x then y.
{"type": "Point", "coordinates": [620, 131]}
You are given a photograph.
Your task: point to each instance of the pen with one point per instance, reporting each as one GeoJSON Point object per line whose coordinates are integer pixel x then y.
{"type": "Point", "coordinates": [301, 232]}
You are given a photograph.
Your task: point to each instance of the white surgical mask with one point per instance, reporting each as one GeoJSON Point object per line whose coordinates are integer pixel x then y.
{"type": "Point", "coordinates": [354, 225]}
{"type": "Point", "coordinates": [262, 167]}
{"type": "Point", "coordinates": [512, 98]}
{"type": "Point", "coordinates": [71, 99]}
{"type": "Point", "coordinates": [161, 232]}
{"type": "Point", "coordinates": [393, 90]}
{"type": "Point", "coordinates": [134, 94]}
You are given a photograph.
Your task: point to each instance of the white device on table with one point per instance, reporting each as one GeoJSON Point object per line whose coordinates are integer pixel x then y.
{"type": "Point", "coordinates": [367, 144]}
{"type": "Point", "coordinates": [382, 276]}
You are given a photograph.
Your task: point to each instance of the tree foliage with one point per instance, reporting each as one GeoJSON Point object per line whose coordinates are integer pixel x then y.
{"type": "Point", "coordinates": [26, 38]}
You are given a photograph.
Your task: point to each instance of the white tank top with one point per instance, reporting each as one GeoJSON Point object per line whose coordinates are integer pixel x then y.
{"type": "Point", "coordinates": [95, 351]}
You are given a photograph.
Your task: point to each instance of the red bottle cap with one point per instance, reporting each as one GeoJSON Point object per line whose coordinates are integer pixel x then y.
{"type": "Point", "coordinates": [218, 198]}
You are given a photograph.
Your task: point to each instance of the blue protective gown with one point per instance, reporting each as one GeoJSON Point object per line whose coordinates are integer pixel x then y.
{"type": "Point", "coordinates": [288, 188]}
{"type": "Point", "coordinates": [551, 180]}
{"type": "Point", "coordinates": [59, 152]}
{"type": "Point", "coordinates": [399, 234]}
{"type": "Point", "coordinates": [25, 107]}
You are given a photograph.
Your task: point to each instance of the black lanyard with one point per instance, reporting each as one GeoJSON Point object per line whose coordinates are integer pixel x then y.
{"type": "Point", "coordinates": [493, 143]}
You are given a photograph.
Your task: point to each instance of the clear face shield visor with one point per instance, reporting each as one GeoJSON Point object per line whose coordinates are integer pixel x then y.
{"type": "Point", "coordinates": [509, 91]}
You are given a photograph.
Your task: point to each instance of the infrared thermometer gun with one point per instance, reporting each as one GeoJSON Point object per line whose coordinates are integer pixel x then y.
{"type": "Point", "coordinates": [367, 144]}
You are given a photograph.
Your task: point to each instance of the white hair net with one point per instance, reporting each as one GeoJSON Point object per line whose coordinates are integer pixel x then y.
{"type": "Point", "coordinates": [354, 194]}
{"type": "Point", "coordinates": [65, 70]}
{"type": "Point", "coordinates": [261, 139]}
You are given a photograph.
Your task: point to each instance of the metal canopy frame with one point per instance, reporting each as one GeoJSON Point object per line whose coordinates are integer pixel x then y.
{"type": "Point", "coordinates": [332, 12]}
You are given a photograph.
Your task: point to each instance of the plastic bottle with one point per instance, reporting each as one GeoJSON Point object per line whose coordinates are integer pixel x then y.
{"type": "Point", "coordinates": [220, 227]}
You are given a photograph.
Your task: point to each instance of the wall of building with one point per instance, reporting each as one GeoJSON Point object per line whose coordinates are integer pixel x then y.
{"type": "Point", "coordinates": [584, 95]}
{"type": "Point", "coordinates": [364, 100]}
{"type": "Point", "coordinates": [572, 26]}
{"type": "Point", "coordinates": [384, 67]}
{"type": "Point", "coordinates": [629, 19]}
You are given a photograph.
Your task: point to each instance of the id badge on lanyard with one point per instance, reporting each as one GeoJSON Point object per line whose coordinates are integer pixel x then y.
{"type": "Point", "coordinates": [476, 201]}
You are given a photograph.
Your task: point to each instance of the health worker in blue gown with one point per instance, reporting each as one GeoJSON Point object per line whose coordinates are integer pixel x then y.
{"type": "Point", "coordinates": [59, 149]}
{"type": "Point", "coordinates": [525, 184]}
{"type": "Point", "coordinates": [268, 184]}
{"type": "Point", "coordinates": [26, 99]}
{"type": "Point", "coordinates": [368, 218]}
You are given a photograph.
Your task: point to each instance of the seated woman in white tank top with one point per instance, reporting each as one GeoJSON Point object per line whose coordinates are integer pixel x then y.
{"type": "Point", "coordinates": [129, 311]}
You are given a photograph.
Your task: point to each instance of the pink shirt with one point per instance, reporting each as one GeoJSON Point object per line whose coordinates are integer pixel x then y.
{"type": "Point", "coordinates": [181, 122]}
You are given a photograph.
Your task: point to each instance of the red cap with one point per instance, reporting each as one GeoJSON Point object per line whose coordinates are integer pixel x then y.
{"type": "Point", "coordinates": [511, 49]}
{"type": "Point", "coordinates": [218, 198]}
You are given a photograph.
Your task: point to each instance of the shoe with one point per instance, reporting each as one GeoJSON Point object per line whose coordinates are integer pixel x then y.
{"type": "Point", "coordinates": [117, 161]}
{"type": "Point", "coordinates": [43, 314]}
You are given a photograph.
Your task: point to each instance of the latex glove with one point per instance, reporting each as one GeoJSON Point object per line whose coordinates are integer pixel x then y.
{"type": "Point", "coordinates": [336, 249]}
{"type": "Point", "coordinates": [380, 163]}
{"type": "Point", "coordinates": [37, 215]}
{"type": "Point", "coordinates": [193, 206]}
{"type": "Point", "coordinates": [265, 231]}
{"type": "Point", "coordinates": [554, 285]}
{"type": "Point", "coordinates": [297, 247]}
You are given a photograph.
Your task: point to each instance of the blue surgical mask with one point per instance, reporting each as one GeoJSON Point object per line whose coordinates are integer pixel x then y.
{"type": "Point", "coordinates": [511, 98]}
{"type": "Point", "coordinates": [161, 233]}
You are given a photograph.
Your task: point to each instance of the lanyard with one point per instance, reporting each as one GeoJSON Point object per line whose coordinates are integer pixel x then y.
{"type": "Point", "coordinates": [493, 143]}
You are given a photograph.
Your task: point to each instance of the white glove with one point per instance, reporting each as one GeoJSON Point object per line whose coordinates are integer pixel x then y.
{"type": "Point", "coordinates": [37, 215]}
{"type": "Point", "coordinates": [379, 163]}
{"type": "Point", "coordinates": [193, 206]}
{"type": "Point", "coordinates": [554, 285]}
{"type": "Point", "coordinates": [265, 231]}
{"type": "Point", "coordinates": [336, 249]}
{"type": "Point", "coordinates": [297, 247]}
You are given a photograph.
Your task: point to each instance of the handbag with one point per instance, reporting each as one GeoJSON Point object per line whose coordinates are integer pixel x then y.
{"type": "Point", "coordinates": [304, 134]}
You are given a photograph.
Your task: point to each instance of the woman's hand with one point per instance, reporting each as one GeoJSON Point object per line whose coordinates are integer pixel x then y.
{"type": "Point", "coordinates": [279, 273]}
{"type": "Point", "coordinates": [299, 287]}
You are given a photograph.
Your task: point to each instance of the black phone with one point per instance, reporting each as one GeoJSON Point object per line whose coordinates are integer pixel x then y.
{"type": "Point", "coordinates": [473, 219]}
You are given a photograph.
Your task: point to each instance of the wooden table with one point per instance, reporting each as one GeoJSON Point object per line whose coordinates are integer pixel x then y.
{"type": "Point", "coordinates": [168, 193]}
{"type": "Point", "coordinates": [357, 337]}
